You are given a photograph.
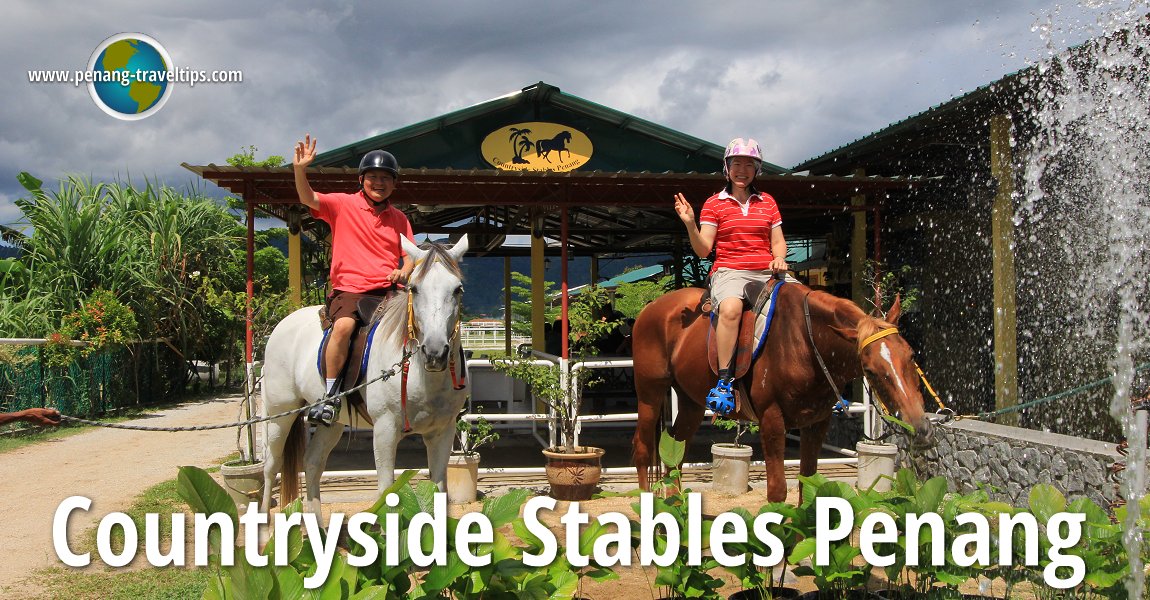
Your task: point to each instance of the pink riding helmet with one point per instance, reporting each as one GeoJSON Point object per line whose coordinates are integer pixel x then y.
{"type": "Point", "coordinates": [740, 147]}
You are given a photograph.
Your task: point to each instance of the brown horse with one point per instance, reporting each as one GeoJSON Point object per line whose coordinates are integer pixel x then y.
{"type": "Point", "coordinates": [788, 389]}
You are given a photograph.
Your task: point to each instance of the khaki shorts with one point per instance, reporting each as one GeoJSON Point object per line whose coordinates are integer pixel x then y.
{"type": "Point", "coordinates": [730, 283]}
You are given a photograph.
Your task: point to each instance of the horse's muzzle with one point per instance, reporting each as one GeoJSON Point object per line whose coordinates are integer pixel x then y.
{"type": "Point", "coordinates": [435, 358]}
{"type": "Point", "coordinates": [923, 434]}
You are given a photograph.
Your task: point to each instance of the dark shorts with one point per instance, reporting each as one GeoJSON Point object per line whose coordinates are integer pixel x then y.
{"type": "Point", "coordinates": [343, 304]}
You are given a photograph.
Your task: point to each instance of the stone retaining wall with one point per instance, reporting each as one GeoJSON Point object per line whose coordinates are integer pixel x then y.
{"type": "Point", "coordinates": [1008, 461]}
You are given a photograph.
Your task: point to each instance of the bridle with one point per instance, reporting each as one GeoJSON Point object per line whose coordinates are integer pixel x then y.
{"type": "Point", "coordinates": [863, 344]}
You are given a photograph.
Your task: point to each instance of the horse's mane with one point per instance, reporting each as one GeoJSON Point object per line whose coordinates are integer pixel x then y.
{"type": "Point", "coordinates": [435, 253]}
{"type": "Point", "coordinates": [393, 320]}
{"type": "Point", "coordinates": [848, 314]}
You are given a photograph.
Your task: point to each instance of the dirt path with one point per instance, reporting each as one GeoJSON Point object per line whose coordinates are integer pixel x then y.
{"type": "Point", "coordinates": [109, 466]}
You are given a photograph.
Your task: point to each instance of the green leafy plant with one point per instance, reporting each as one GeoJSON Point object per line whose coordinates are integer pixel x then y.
{"type": "Point", "coordinates": [739, 426]}
{"type": "Point", "coordinates": [473, 436]}
{"type": "Point", "coordinates": [103, 322]}
{"type": "Point", "coordinates": [752, 577]}
{"type": "Point", "coordinates": [680, 578]}
{"type": "Point", "coordinates": [841, 573]}
{"type": "Point", "coordinates": [546, 383]}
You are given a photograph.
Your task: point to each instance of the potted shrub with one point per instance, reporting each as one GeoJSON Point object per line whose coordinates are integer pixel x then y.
{"type": "Point", "coordinates": [731, 462]}
{"type": "Point", "coordinates": [573, 471]}
{"type": "Point", "coordinates": [463, 465]}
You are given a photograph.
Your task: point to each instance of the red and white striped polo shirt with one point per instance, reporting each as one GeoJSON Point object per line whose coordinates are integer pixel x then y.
{"type": "Point", "coordinates": [743, 232]}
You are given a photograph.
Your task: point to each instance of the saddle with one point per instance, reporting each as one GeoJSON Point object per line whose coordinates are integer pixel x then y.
{"type": "Point", "coordinates": [754, 324]}
{"type": "Point", "coordinates": [358, 352]}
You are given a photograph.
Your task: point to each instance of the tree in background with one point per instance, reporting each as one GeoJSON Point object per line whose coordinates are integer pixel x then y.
{"type": "Point", "coordinates": [630, 298]}
{"type": "Point", "coordinates": [247, 158]}
{"type": "Point", "coordinates": [521, 303]}
{"type": "Point", "coordinates": [151, 249]}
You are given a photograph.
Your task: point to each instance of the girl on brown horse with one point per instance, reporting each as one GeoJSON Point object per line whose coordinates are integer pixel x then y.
{"type": "Point", "coordinates": [817, 342]}
{"type": "Point", "coordinates": [745, 229]}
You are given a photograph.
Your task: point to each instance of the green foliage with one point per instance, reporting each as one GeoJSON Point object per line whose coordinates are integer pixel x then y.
{"type": "Point", "coordinates": [888, 282]}
{"type": "Point", "coordinates": [841, 573]}
{"type": "Point", "coordinates": [680, 578]}
{"type": "Point", "coordinates": [102, 322]}
{"type": "Point", "coordinates": [175, 260]}
{"type": "Point", "coordinates": [247, 158]}
{"type": "Point", "coordinates": [506, 576]}
{"type": "Point", "coordinates": [762, 578]}
{"type": "Point", "coordinates": [521, 303]}
{"type": "Point", "coordinates": [630, 298]}
{"type": "Point", "coordinates": [546, 384]}
{"type": "Point", "coordinates": [589, 320]}
{"type": "Point", "coordinates": [739, 426]}
{"type": "Point", "coordinates": [473, 436]}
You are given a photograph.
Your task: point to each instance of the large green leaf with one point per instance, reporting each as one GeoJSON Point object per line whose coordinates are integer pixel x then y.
{"type": "Point", "coordinates": [671, 450]}
{"type": "Point", "coordinates": [204, 495]}
{"type": "Point", "coordinates": [29, 182]}
{"type": "Point", "coordinates": [505, 509]}
{"type": "Point", "coordinates": [289, 583]}
{"type": "Point", "coordinates": [1046, 501]}
{"type": "Point", "coordinates": [930, 495]}
{"type": "Point", "coordinates": [251, 583]}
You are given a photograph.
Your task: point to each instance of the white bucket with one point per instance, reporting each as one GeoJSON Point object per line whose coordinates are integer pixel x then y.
{"type": "Point", "coordinates": [875, 460]}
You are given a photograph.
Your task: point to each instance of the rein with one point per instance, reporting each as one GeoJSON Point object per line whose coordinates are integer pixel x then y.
{"type": "Point", "coordinates": [862, 346]}
{"type": "Point", "coordinates": [411, 341]}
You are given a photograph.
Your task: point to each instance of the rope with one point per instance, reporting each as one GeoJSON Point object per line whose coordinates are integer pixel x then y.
{"type": "Point", "coordinates": [1058, 396]}
{"type": "Point", "coordinates": [382, 377]}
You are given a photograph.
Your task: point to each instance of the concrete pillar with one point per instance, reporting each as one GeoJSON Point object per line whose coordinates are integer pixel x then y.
{"type": "Point", "coordinates": [1002, 260]}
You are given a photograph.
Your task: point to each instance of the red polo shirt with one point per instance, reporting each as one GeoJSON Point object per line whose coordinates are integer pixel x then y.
{"type": "Point", "coordinates": [365, 246]}
{"type": "Point", "coordinates": [742, 241]}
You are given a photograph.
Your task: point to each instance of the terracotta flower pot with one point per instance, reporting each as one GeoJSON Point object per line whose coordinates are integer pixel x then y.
{"type": "Point", "coordinates": [574, 476]}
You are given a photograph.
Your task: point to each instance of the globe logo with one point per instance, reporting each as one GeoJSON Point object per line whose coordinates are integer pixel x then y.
{"type": "Point", "coordinates": [130, 76]}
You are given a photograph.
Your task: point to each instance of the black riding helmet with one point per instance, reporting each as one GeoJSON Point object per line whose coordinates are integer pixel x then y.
{"type": "Point", "coordinates": [379, 159]}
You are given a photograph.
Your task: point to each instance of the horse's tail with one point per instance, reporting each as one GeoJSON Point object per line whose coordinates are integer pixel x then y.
{"type": "Point", "coordinates": [293, 459]}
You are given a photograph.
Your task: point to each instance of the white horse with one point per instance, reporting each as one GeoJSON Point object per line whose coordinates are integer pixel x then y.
{"type": "Point", "coordinates": [291, 379]}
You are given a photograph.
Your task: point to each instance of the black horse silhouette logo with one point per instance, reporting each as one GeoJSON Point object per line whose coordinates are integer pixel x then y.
{"type": "Point", "coordinates": [558, 144]}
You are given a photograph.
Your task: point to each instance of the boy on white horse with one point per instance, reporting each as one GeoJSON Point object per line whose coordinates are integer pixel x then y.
{"type": "Point", "coordinates": [367, 258]}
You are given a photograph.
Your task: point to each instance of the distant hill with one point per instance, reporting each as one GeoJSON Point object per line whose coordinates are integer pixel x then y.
{"type": "Point", "coordinates": [483, 277]}
{"type": "Point", "coordinates": [9, 251]}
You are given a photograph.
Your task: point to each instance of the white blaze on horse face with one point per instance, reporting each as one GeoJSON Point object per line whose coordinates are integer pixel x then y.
{"type": "Point", "coordinates": [884, 352]}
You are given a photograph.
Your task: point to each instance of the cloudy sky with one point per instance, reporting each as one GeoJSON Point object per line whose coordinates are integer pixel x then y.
{"type": "Point", "coordinates": [801, 77]}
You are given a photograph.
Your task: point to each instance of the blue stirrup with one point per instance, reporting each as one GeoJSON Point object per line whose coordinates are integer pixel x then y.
{"type": "Point", "coordinates": [720, 399]}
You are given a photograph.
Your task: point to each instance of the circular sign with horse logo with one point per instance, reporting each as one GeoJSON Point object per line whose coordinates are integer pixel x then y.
{"type": "Point", "coordinates": [537, 146]}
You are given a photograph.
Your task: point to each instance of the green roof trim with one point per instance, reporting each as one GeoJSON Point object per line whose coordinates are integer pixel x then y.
{"type": "Point", "coordinates": [622, 142]}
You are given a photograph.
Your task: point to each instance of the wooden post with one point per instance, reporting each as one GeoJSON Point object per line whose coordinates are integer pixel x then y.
{"type": "Point", "coordinates": [1002, 261]}
{"type": "Point", "coordinates": [859, 291]}
{"type": "Point", "coordinates": [295, 264]}
{"type": "Point", "coordinates": [538, 281]}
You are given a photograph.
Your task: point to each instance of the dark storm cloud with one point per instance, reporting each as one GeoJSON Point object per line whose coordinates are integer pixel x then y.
{"type": "Point", "coordinates": [802, 77]}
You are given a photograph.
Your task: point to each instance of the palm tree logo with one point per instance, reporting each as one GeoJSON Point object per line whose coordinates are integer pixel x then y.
{"type": "Point", "coordinates": [520, 144]}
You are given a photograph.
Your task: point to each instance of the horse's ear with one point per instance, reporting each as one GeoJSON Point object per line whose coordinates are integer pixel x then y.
{"type": "Point", "coordinates": [415, 252]}
{"type": "Point", "coordinates": [457, 251]}
{"type": "Point", "coordinates": [847, 333]}
{"type": "Point", "coordinates": [895, 311]}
